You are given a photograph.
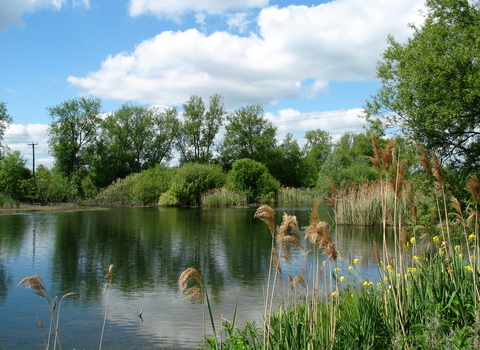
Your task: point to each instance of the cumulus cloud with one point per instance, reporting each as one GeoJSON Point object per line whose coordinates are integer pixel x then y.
{"type": "Point", "coordinates": [11, 11]}
{"type": "Point", "coordinates": [18, 136]}
{"type": "Point", "coordinates": [175, 8]}
{"type": "Point", "coordinates": [340, 40]}
{"type": "Point", "coordinates": [337, 122]}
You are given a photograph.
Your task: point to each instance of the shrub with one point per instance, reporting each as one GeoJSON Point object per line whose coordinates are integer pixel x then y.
{"type": "Point", "coordinates": [253, 179]}
{"type": "Point", "coordinates": [53, 187]}
{"type": "Point", "coordinates": [191, 181]}
{"type": "Point", "coordinates": [150, 184]}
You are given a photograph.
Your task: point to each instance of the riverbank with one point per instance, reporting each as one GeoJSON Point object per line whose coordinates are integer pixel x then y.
{"type": "Point", "coordinates": [37, 208]}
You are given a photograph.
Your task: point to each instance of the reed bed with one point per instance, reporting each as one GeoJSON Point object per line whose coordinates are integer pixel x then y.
{"type": "Point", "coordinates": [8, 203]}
{"type": "Point", "coordinates": [222, 197]}
{"type": "Point", "coordinates": [427, 296]}
{"type": "Point", "coordinates": [298, 195]}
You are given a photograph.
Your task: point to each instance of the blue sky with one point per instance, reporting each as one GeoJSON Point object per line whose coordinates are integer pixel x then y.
{"type": "Point", "coordinates": [310, 63]}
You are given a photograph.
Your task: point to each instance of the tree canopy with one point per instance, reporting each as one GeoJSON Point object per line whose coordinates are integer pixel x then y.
{"type": "Point", "coordinates": [5, 120]}
{"type": "Point", "coordinates": [431, 84]}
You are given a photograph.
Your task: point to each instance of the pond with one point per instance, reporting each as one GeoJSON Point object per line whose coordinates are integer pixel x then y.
{"type": "Point", "coordinates": [150, 248]}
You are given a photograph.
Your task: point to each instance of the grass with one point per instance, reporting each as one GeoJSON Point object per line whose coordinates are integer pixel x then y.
{"type": "Point", "coordinates": [221, 197]}
{"type": "Point", "coordinates": [297, 195]}
{"type": "Point", "coordinates": [8, 203]}
{"type": "Point", "coordinates": [428, 295]}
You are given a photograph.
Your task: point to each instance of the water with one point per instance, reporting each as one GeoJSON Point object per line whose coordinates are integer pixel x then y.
{"type": "Point", "coordinates": [150, 248]}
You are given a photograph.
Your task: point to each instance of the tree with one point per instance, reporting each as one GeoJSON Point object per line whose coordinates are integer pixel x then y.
{"type": "Point", "coordinates": [248, 135]}
{"type": "Point", "coordinates": [13, 174]}
{"type": "Point", "coordinates": [431, 84]}
{"type": "Point", "coordinates": [5, 120]}
{"type": "Point", "coordinates": [134, 138]}
{"type": "Point", "coordinates": [288, 165]}
{"type": "Point", "coordinates": [199, 128]}
{"type": "Point", "coordinates": [73, 134]}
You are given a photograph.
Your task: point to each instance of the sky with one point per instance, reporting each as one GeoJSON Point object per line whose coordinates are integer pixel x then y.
{"type": "Point", "coordinates": [311, 64]}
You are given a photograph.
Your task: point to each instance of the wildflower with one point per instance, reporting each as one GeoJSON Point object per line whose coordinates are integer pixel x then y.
{"type": "Point", "coordinates": [416, 258]}
{"type": "Point", "coordinates": [355, 261]}
{"type": "Point", "coordinates": [468, 267]}
{"type": "Point", "coordinates": [334, 294]}
{"type": "Point", "coordinates": [460, 256]}
{"type": "Point", "coordinates": [436, 239]}
{"type": "Point", "coordinates": [407, 245]}
{"type": "Point", "coordinates": [367, 283]}
{"type": "Point", "coordinates": [399, 275]}
{"type": "Point", "coordinates": [390, 268]}
{"type": "Point", "coordinates": [457, 248]}
{"type": "Point", "coordinates": [337, 270]}
{"type": "Point", "coordinates": [412, 240]}
{"type": "Point", "coordinates": [350, 268]}
{"type": "Point", "coordinates": [379, 285]}
{"type": "Point", "coordinates": [342, 279]}
{"type": "Point", "coordinates": [471, 238]}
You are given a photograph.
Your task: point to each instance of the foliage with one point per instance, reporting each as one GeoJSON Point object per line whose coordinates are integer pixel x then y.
{"type": "Point", "coordinates": [288, 165]}
{"type": "Point", "coordinates": [248, 135]}
{"type": "Point", "coordinates": [53, 187]}
{"type": "Point", "coordinates": [430, 84]}
{"type": "Point", "coordinates": [133, 139]}
{"type": "Point", "coordinates": [253, 179]}
{"type": "Point", "coordinates": [14, 175]}
{"type": "Point", "coordinates": [73, 134]}
{"type": "Point", "coordinates": [190, 182]}
{"type": "Point", "coordinates": [298, 195]}
{"type": "Point", "coordinates": [199, 128]}
{"type": "Point", "coordinates": [5, 120]}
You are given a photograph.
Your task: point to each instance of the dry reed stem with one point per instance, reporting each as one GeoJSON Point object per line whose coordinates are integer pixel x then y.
{"type": "Point", "coordinates": [267, 215]}
{"type": "Point", "coordinates": [377, 251]}
{"type": "Point", "coordinates": [437, 168]}
{"type": "Point", "coordinates": [186, 275]}
{"type": "Point", "coordinates": [298, 279]}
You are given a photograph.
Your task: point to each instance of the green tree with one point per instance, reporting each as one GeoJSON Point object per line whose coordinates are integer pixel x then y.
{"type": "Point", "coordinates": [254, 180]}
{"type": "Point", "coordinates": [5, 120]}
{"type": "Point", "coordinates": [248, 135]}
{"type": "Point", "coordinates": [288, 165]}
{"type": "Point", "coordinates": [13, 175]}
{"type": "Point", "coordinates": [431, 84]}
{"type": "Point", "coordinates": [73, 134]}
{"type": "Point", "coordinates": [199, 128]}
{"type": "Point", "coordinates": [133, 139]}
{"type": "Point", "coordinates": [190, 182]}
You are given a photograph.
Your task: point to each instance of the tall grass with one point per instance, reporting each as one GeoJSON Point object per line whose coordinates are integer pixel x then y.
{"type": "Point", "coordinates": [222, 197]}
{"type": "Point", "coordinates": [428, 295]}
{"type": "Point", "coordinates": [7, 202]}
{"type": "Point", "coordinates": [297, 195]}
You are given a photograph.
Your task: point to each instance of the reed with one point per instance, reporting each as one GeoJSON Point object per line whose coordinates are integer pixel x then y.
{"type": "Point", "coordinates": [222, 197]}
{"type": "Point", "coordinates": [35, 283]}
{"type": "Point", "coordinates": [109, 277]}
{"type": "Point", "coordinates": [297, 195]}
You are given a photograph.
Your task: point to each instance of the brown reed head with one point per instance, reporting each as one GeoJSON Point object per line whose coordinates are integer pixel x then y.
{"type": "Point", "coordinates": [288, 231]}
{"type": "Point", "coordinates": [376, 159]}
{"type": "Point", "coordinates": [473, 187]}
{"type": "Point", "coordinates": [297, 280]}
{"type": "Point", "coordinates": [35, 283]}
{"type": "Point", "coordinates": [195, 292]}
{"type": "Point", "coordinates": [267, 215]}
{"type": "Point", "coordinates": [437, 168]}
{"type": "Point", "coordinates": [387, 154]}
{"type": "Point", "coordinates": [109, 275]}
{"type": "Point", "coordinates": [424, 158]}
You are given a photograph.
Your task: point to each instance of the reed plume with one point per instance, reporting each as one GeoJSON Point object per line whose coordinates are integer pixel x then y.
{"type": "Point", "coordinates": [387, 154]}
{"type": "Point", "coordinates": [473, 187]}
{"type": "Point", "coordinates": [35, 283]}
{"type": "Point", "coordinates": [109, 276]}
{"type": "Point", "coordinates": [267, 215]}
{"type": "Point", "coordinates": [377, 158]}
{"type": "Point", "coordinates": [195, 292]}
{"type": "Point", "coordinates": [424, 158]}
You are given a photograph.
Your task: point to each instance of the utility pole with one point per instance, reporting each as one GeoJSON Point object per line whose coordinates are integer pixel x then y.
{"type": "Point", "coordinates": [33, 151]}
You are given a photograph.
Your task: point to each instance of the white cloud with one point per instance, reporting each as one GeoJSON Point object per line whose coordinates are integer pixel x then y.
{"type": "Point", "coordinates": [11, 11]}
{"type": "Point", "coordinates": [341, 40]}
{"type": "Point", "coordinates": [337, 123]}
{"type": "Point", "coordinates": [174, 8]}
{"type": "Point", "coordinates": [237, 21]}
{"type": "Point", "coordinates": [18, 136]}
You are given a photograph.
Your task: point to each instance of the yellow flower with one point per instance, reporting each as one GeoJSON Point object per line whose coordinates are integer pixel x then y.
{"type": "Point", "coordinates": [334, 294]}
{"type": "Point", "coordinates": [355, 261]}
{"type": "Point", "coordinates": [350, 268]}
{"type": "Point", "coordinates": [460, 256]}
{"type": "Point", "coordinates": [379, 285]}
{"type": "Point", "coordinates": [436, 239]}
{"type": "Point", "coordinates": [367, 283]}
{"type": "Point", "coordinates": [412, 240]}
{"type": "Point", "coordinates": [342, 279]}
{"type": "Point", "coordinates": [337, 270]}
{"type": "Point", "coordinates": [457, 248]}
{"type": "Point", "coordinates": [417, 258]}
{"type": "Point", "coordinates": [468, 267]}
{"type": "Point", "coordinates": [471, 237]}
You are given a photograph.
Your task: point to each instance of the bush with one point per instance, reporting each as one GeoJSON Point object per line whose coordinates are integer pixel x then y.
{"type": "Point", "coordinates": [253, 179]}
{"type": "Point", "coordinates": [52, 187]}
{"type": "Point", "coordinates": [191, 181]}
{"type": "Point", "coordinates": [12, 175]}
{"type": "Point", "coordinates": [150, 184]}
